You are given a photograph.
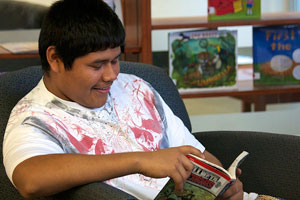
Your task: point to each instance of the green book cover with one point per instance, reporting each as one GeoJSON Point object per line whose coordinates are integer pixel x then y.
{"type": "Point", "coordinates": [219, 10]}
{"type": "Point", "coordinates": [190, 191]}
{"type": "Point", "coordinates": [203, 59]}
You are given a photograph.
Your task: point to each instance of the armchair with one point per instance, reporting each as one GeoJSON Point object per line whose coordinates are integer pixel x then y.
{"type": "Point", "coordinates": [271, 167]}
{"type": "Point", "coordinates": [14, 85]}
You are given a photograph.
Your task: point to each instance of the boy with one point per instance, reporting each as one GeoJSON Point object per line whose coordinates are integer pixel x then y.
{"type": "Point", "coordinates": [84, 117]}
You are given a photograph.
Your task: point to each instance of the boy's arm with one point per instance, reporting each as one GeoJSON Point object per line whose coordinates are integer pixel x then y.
{"type": "Point", "coordinates": [49, 174]}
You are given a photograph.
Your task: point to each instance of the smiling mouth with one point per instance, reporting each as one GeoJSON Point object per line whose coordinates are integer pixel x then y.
{"type": "Point", "coordinates": [103, 90]}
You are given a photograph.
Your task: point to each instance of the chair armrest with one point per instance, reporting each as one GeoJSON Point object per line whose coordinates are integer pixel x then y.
{"type": "Point", "coordinates": [92, 191]}
{"type": "Point", "coordinates": [273, 164]}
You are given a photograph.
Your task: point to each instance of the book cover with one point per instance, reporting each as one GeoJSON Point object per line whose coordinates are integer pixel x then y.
{"type": "Point", "coordinates": [207, 180]}
{"type": "Point", "coordinates": [219, 10]}
{"type": "Point", "coordinates": [203, 59]}
{"type": "Point", "coordinates": [276, 55]}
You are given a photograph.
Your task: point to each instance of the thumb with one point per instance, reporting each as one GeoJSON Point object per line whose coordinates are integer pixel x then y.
{"type": "Point", "coordinates": [238, 172]}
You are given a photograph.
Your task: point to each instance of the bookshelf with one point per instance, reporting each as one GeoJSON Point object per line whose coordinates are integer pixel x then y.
{"type": "Point", "coordinates": [145, 24]}
{"type": "Point", "coordinates": [139, 26]}
{"type": "Point", "coordinates": [247, 93]}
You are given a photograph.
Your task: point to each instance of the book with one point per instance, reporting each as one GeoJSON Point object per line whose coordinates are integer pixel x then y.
{"type": "Point", "coordinates": [233, 10]}
{"type": "Point", "coordinates": [21, 47]}
{"type": "Point", "coordinates": [207, 180]}
{"type": "Point", "coordinates": [276, 55]}
{"type": "Point", "coordinates": [203, 60]}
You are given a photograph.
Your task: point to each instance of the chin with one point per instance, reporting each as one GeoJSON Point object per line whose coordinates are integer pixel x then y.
{"type": "Point", "coordinates": [95, 104]}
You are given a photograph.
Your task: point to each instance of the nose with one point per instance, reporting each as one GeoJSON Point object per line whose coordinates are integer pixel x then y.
{"type": "Point", "coordinates": [110, 72]}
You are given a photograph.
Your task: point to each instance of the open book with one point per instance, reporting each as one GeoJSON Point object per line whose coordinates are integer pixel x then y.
{"type": "Point", "coordinates": [207, 180]}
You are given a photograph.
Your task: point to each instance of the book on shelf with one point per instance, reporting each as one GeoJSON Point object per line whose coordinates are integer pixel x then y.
{"type": "Point", "coordinates": [203, 60]}
{"type": "Point", "coordinates": [207, 180]}
{"type": "Point", "coordinates": [219, 10]}
{"type": "Point", "coordinates": [21, 47]}
{"type": "Point", "coordinates": [276, 55]}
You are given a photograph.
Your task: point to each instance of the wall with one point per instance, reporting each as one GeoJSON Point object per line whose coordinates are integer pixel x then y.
{"type": "Point", "coordinates": [42, 2]}
{"type": "Point", "coordinates": [171, 8]}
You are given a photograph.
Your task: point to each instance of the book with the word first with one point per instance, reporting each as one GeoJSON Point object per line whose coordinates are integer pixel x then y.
{"type": "Point", "coordinates": [276, 55]}
{"type": "Point", "coordinates": [206, 182]}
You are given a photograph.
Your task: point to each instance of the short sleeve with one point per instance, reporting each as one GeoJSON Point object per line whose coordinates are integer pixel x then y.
{"type": "Point", "coordinates": [24, 142]}
{"type": "Point", "coordinates": [176, 132]}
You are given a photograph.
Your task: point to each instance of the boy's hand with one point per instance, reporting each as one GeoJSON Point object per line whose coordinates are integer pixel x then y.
{"type": "Point", "coordinates": [170, 162]}
{"type": "Point", "coordinates": [235, 191]}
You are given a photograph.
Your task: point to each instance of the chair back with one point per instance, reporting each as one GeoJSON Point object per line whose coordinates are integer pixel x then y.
{"type": "Point", "coordinates": [21, 15]}
{"type": "Point", "coordinates": [13, 86]}
{"type": "Point", "coordinates": [163, 84]}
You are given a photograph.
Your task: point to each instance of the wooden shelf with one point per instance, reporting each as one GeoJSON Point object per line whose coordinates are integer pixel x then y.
{"type": "Point", "coordinates": [5, 54]}
{"type": "Point", "coordinates": [132, 49]}
{"type": "Point", "coordinates": [202, 22]}
{"type": "Point", "coordinates": [139, 25]}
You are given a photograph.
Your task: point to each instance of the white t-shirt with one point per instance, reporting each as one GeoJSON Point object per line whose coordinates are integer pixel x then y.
{"type": "Point", "coordinates": [132, 119]}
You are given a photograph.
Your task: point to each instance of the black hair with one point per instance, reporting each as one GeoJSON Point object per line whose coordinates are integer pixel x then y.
{"type": "Point", "coordinates": [79, 27]}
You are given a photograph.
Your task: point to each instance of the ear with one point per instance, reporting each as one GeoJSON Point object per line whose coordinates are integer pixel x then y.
{"type": "Point", "coordinates": [54, 60]}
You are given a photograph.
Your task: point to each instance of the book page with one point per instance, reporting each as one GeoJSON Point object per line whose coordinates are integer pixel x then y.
{"type": "Point", "coordinates": [236, 163]}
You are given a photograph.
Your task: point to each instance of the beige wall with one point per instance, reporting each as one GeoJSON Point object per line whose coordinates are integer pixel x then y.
{"type": "Point", "coordinates": [43, 2]}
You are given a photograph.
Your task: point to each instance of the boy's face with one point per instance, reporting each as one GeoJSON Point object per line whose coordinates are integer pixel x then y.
{"type": "Point", "coordinates": [89, 80]}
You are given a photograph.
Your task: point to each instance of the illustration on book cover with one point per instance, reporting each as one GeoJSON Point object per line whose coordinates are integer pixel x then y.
{"type": "Point", "coordinates": [276, 55]}
{"type": "Point", "coordinates": [203, 59]}
{"type": "Point", "coordinates": [233, 9]}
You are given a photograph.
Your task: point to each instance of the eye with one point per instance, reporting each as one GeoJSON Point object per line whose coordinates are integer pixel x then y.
{"type": "Point", "coordinates": [96, 67]}
{"type": "Point", "coordinates": [115, 61]}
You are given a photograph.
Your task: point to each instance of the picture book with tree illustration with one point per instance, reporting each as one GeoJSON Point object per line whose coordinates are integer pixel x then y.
{"type": "Point", "coordinates": [206, 182]}
{"type": "Point", "coordinates": [219, 10]}
{"type": "Point", "coordinates": [203, 59]}
{"type": "Point", "coordinates": [276, 55]}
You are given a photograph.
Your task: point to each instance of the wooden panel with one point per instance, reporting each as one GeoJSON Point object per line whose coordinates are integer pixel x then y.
{"type": "Point", "coordinates": [137, 22]}
{"type": "Point", "coordinates": [130, 20]}
{"type": "Point", "coordinates": [5, 54]}
{"type": "Point", "coordinates": [146, 34]}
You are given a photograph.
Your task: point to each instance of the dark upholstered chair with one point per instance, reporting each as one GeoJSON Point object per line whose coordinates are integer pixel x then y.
{"type": "Point", "coordinates": [14, 85]}
{"type": "Point", "coordinates": [20, 15]}
{"type": "Point", "coordinates": [271, 168]}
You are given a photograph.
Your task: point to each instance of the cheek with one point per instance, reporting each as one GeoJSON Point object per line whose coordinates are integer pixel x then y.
{"type": "Point", "coordinates": [84, 82]}
{"type": "Point", "coordinates": [117, 70]}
